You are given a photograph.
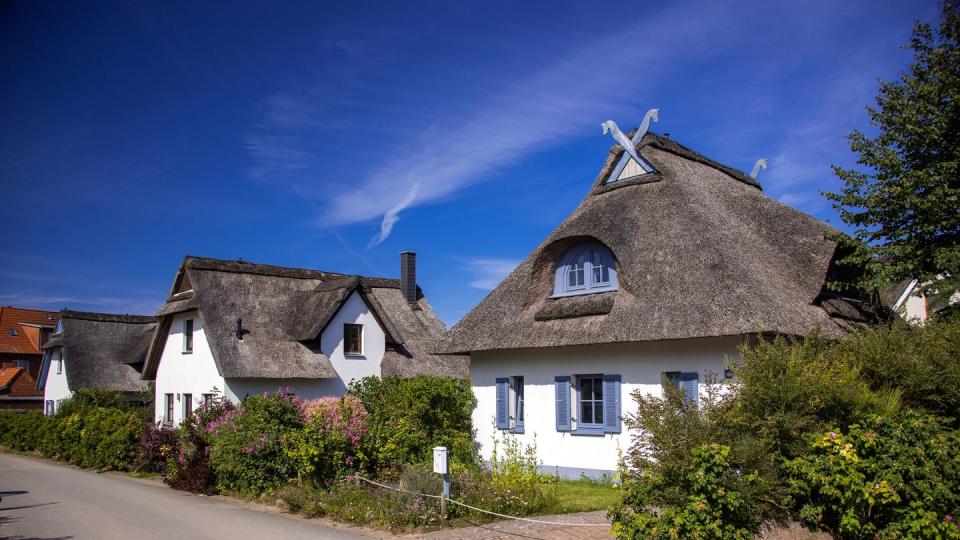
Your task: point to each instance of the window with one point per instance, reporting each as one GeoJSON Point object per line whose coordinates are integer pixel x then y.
{"type": "Point", "coordinates": [590, 399]}
{"type": "Point", "coordinates": [59, 362]}
{"type": "Point", "coordinates": [585, 269]}
{"type": "Point", "coordinates": [688, 382]}
{"type": "Point", "coordinates": [58, 405]}
{"type": "Point", "coordinates": [510, 406]}
{"type": "Point", "coordinates": [188, 336]}
{"type": "Point", "coordinates": [207, 401]}
{"type": "Point", "coordinates": [25, 364]}
{"type": "Point", "coordinates": [187, 405]}
{"type": "Point", "coordinates": [588, 404]}
{"type": "Point", "coordinates": [353, 339]}
{"type": "Point", "coordinates": [12, 331]}
{"type": "Point", "coordinates": [168, 414]}
{"type": "Point", "coordinates": [49, 407]}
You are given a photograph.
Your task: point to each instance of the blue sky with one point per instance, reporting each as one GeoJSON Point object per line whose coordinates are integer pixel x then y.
{"type": "Point", "coordinates": [134, 133]}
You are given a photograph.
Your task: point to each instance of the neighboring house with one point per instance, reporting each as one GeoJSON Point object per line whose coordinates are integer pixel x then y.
{"type": "Point", "coordinates": [655, 277]}
{"type": "Point", "coordinates": [235, 328]}
{"type": "Point", "coordinates": [18, 390]}
{"type": "Point", "coordinates": [906, 299]}
{"type": "Point", "coordinates": [95, 350]}
{"type": "Point", "coordinates": [22, 335]}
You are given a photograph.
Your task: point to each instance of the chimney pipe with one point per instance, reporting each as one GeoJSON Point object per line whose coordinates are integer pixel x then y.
{"type": "Point", "coordinates": [408, 276]}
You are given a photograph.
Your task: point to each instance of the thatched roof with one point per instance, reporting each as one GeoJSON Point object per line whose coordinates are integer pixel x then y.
{"type": "Point", "coordinates": [284, 311]}
{"type": "Point", "coordinates": [103, 350]}
{"type": "Point", "coordinates": [700, 251]}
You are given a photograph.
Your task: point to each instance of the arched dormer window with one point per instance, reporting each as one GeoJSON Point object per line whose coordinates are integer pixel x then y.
{"type": "Point", "coordinates": [585, 269]}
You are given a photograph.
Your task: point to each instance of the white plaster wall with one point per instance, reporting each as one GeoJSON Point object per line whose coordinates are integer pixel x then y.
{"type": "Point", "coordinates": [55, 386]}
{"type": "Point", "coordinates": [915, 309]}
{"type": "Point", "coordinates": [238, 389]}
{"type": "Point", "coordinates": [178, 373]}
{"type": "Point", "coordinates": [640, 366]}
{"type": "Point", "coordinates": [353, 311]}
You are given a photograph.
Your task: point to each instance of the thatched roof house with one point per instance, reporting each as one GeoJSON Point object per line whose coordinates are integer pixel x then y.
{"type": "Point", "coordinates": [658, 277]}
{"type": "Point", "coordinates": [95, 350]}
{"type": "Point", "coordinates": [282, 313]}
{"type": "Point", "coordinates": [699, 250]}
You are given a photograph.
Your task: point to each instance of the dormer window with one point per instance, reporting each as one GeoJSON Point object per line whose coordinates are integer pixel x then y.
{"type": "Point", "coordinates": [585, 269]}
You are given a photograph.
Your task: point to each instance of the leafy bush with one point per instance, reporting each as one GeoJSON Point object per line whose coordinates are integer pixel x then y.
{"type": "Point", "coordinates": [25, 432]}
{"type": "Point", "coordinates": [154, 449]}
{"type": "Point", "coordinates": [711, 508]}
{"type": "Point", "coordinates": [247, 447]}
{"type": "Point", "coordinates": [888, 477]}
{"type": "Point", "coordinates": [188, 461]}
{"type": "Point", "coordinates": [515, 478]}
{"type": "Point", "coordinates": [328, 446]}
{"type": "Point", "coordinates": [93, 429]}
{"type": "Point", "coordinates": [408, 417]}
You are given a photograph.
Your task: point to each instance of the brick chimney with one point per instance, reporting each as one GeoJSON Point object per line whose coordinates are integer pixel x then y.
{"type": "Point", "coordinates": [408, 276]}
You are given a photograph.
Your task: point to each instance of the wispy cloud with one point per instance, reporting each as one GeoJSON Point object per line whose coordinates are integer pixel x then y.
{"type": "Point", "coordinates": [487, 273]}
{"type": "Point", "coordinates": [500, 123]}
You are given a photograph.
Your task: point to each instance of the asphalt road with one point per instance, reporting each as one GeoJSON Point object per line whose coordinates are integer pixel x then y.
{"type": "Point", "coordinates": [45, 500]}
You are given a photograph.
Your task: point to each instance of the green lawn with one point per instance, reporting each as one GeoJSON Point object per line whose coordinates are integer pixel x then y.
{"type": "Point", "coordinates": [582, 496]}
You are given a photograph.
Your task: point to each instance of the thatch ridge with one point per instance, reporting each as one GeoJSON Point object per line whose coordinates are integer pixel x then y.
{"type": "Point", "coordinates": [700, 251]}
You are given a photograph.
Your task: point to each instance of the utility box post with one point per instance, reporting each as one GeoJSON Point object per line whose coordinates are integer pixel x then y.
{"type": "Point", "coordinates": [440, 467]}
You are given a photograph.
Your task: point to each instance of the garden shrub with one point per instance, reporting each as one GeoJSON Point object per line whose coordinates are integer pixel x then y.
{"type": "Point", "coordinates": [516, 481]}
{"type": "Point", "coordinates": [887, 477]}
{"type": "Point", "coordinates": [408, 417]}
{"type": "Point", "coordinates": [188, 461]}
{"type": "Point", "coordinates": [328, 446]}
{"type": "Point", "coordinates": [24, 432]}
{"type": "Point", "coordinates": [154, 449]}
{"type": "Point", "coordinates": [712, 507]}
{"type": "Point", "coordinates": [247, 447]}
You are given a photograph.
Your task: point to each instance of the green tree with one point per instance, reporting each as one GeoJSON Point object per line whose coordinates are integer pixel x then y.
{"type": "Point", "coordinates": [904, 203]}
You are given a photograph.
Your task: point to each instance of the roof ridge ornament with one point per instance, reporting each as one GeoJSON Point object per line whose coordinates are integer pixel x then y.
{"type": "Point", "coordinates": [760, 164]}
{"type": "Point", "coordinates": [629, 144]}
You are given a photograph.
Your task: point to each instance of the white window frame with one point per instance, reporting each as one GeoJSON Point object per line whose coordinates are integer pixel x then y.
{"type": "Point", "coordinates": [583, 258]}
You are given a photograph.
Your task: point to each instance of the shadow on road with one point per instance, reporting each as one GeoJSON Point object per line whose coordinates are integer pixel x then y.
{"type": "Point", "coordinates": [25, 506]}
{"type": "Point", "coordinates": [5, 493]}
{"type": "Point", "coordinates": [8, 519]}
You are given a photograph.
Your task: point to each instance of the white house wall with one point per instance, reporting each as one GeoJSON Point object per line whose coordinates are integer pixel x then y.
{"type": "Point", "coordinates": [55, 386]}
{"type": "Point", "coordinates": [640, 366]}
{"type": "Point", "coordinates": [179, 372]}
{"type": "Point", "coordinates": [353, 367]}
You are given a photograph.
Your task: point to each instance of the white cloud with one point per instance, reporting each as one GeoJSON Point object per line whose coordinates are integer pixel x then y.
{"type": "Point", "coordinates": [487, 273]}
{"type": "Point", "coordinates": [508, 120]}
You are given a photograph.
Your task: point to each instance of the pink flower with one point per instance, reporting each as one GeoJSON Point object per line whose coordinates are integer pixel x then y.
{"type": "Point", "coordinates": [833, 435]}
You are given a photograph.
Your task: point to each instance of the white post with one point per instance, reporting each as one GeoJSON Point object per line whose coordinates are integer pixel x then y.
{"type": "Point", "coordinates": [440, 467]}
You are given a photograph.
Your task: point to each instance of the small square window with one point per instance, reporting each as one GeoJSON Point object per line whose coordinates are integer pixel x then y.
{"type": "Point", "coordinates": [353, 339]}
{"type": "Point", "coordinates": [25, 364]}
{"type": "Point", "coordinates": [12, 331]}
{"type": "Point", "coordinates": [188, 335]}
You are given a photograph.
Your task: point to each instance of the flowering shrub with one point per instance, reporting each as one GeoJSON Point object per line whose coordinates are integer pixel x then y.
{"type": "Point", "coordinates": [247, 446]}
{"type": "Point", "coordinates": [713, 507]}
{"type": "Point", "coordinates": [887, 477]}
{"type": "Point", "coordinates": [189, 465]}
{"type": "Point", "coordinates": [328, 446]}
{"type": "Point", "coordinates": [154, 448]}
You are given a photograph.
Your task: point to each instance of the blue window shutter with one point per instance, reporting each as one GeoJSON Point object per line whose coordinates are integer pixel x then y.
{"type": "Point", "coordinates": [691, 391]}
{"type": "Point", "coordinates": [611, 403]}
{"type": "Point", "coordinates": [503, 403]}
{"type": "Point", "coordinates": [562, 384]}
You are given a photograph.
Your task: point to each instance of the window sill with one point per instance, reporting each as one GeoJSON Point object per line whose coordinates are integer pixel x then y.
{"type": "Point", "coordinates": [584, 292]}
{"type": "Point", "coordinates": [186, 352]}
{"type": "Point", "coordinates": [354, 356]}
{"type": "Point", "coordinates": [588, 432]}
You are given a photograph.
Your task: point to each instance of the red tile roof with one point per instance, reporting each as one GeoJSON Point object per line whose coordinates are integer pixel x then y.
{"type": "Point", "coordinates": [13, 318]}
{"type": "Point", "coordinates": [16, 381]}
